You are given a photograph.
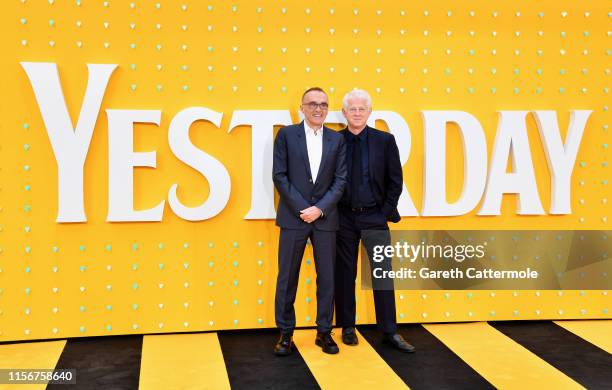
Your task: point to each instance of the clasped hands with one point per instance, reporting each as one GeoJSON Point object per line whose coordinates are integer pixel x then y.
{"type": "Point", "coordinates": [311, 214]}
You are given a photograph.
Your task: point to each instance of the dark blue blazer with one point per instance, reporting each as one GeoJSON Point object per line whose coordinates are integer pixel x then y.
{"type": "Point", "coordinates": [293, 179]}
{"type": "Point", "coordinates": [385, 171]}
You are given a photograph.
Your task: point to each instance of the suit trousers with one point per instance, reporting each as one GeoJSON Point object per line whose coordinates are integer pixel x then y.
{"type": "Point", "coordinates": [347, 249]}
{"type": "Point", "coordinates": [291, 247]}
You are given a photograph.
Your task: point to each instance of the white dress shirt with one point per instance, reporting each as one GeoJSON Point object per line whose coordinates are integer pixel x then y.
{"type": "Point", "coordinates": [314, 145]}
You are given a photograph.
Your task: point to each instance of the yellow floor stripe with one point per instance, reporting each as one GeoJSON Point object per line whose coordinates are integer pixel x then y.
{"type": "Point", "coordinates": [182, 361]}
{"type": "Point", "coordinates": [596, 332]}
{"type": "Point", "coordinates": [499, 359]}
{"type": "Point", "coordinates": [30, 355]}
{"type": "Point", "coordinates": [353, 368]}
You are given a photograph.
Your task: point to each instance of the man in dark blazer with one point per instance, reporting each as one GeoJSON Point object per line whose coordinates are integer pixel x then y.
{"type": "Point", "coordinates": [374, 185]}
{"type": "Point", "coordinates": [309, 173]}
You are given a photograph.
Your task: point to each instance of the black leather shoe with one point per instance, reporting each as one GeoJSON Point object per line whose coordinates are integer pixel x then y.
{"type": "Point", "coordinates": [284, 345]}
{"type": "Point", "coordinates": [397, 341]}
{"type": "Point", "coordinates": [349, 336]}
{"type": "Point", "coordinates": [327, 343]}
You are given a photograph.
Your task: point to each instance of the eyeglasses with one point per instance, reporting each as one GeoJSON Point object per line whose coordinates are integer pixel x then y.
{"type": "Point", "coordinates": [314, 105]}
{"type": "Point", "coordinates": [355, 110]}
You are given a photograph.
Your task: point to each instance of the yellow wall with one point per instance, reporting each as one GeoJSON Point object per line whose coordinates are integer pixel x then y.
{"type": "Point", "coordinates": [228, 263]}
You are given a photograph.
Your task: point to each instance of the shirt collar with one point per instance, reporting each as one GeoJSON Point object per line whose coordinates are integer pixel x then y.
{"type": "Point", "coordinates": [310, 131]}
{"type": "Point", "coordinates": [362, 136]}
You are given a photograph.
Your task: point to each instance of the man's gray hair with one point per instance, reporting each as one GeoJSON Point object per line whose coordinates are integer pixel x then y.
{"type": "Point", "coordinates": [357, 94]}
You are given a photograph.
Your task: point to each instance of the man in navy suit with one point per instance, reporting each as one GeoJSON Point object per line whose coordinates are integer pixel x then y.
{"type": "Point", "coordinates": [309, 173]}
{"type": "Point", "coordinates": [374, 185]}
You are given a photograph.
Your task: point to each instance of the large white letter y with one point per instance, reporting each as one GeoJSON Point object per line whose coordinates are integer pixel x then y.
{"type": "Point", "coordinates": [70, 145]}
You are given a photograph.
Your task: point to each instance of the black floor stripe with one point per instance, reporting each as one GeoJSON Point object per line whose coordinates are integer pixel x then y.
{"type": "Point", "coordinates": [101, 363]}
{"type": "Point", "coordinates": [582, 361]}
{"type": "Point", "coordinates": [432, 366]}
{"type": "Point", "coordinates": [251, 363]}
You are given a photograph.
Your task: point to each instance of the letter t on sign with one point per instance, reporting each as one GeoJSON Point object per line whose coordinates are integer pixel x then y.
{"type": "Point", "coordinates": [262, 141]}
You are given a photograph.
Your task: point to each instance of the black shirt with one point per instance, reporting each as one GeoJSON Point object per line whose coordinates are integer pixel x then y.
{"type": "Point", "coordinates": [365, 194]}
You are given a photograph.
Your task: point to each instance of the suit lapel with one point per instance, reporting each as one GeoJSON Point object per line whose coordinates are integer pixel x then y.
{"type": "Point", "coordinates": [326, 147]}
{"type": "Point", "coordinates": [301, 139]}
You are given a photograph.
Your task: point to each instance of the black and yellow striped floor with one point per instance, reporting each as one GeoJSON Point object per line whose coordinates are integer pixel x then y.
{"type": "Point", "coordinates": [518, 354]}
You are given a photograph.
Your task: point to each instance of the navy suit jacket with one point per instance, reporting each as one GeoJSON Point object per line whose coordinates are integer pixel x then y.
{"type": "Point", "coordinates": [293, 179]}
{"type": "Point", "coordinates": [385, 171]}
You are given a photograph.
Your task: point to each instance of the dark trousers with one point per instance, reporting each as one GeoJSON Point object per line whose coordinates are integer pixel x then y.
{"type": "Point", "coordinates": [347, 250]}
{"type": "Point", "coordinates": [290, 251]}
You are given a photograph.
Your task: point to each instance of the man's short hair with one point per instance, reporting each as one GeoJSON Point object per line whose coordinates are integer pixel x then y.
{"type": "Point", "coordinates": [357, 94]}
{"type": "Point", "coordinates": [318, 89]}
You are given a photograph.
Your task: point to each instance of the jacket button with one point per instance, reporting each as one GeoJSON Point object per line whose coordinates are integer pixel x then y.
{"type": "Point", "coordinates": [310, 180]}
